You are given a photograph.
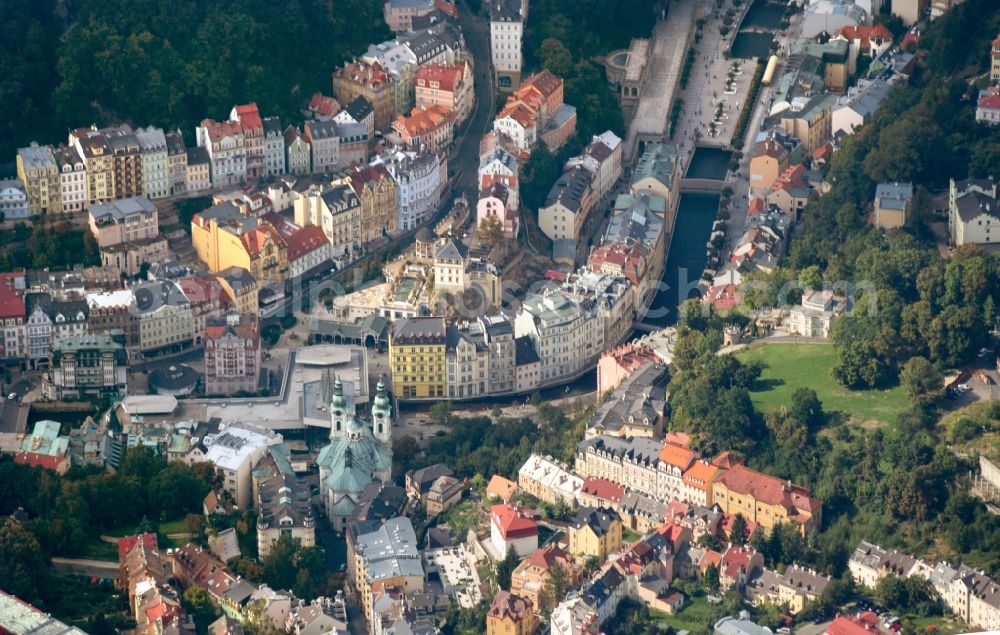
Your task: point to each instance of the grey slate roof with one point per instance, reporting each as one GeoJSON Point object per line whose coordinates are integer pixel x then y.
{"type": "Point", "coordinates": [570, 188]}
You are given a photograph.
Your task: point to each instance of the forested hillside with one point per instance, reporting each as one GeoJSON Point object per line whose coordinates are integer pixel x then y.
{"type": "Point", "coordinates": [902, 484]}
{"type": "Point", "coordinates": [167, 62]}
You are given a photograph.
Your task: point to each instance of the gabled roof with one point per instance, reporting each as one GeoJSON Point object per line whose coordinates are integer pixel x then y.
{"type": "Point", "coordinates": [511, 522]}
{"type": "Point", "coordinates": [501, 487]}
{"type": "Point", "coordinates": [599, 519]}
{"type": "Point", "coordinates": [323, 105]}
{"type": "Point", "coordinates": [219, 130]}
{"type": "Point", "coordinates": [603, 489]}
{"type": "Point", "coordinates": [446, 77]}
{"type": "Point", "coordinates": [769, 489]}
{"type": "Point", "coordinates": [304, 241]}
{"type": "Point", "coordinates": [508, 606]}
{"type": "Point", "coordinates": [249, 117]}
{"type": "Point", "coordinates": [677, 456]}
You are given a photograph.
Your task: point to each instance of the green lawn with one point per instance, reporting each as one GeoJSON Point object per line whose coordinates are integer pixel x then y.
{"type": "Point", "coordinates": [693, 617]}
{"type": "Point", "coordinates": [788, 367]}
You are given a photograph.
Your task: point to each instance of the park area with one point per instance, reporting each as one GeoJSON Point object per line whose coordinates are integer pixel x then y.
{"type": "Point", "coordinates": [788, 367]}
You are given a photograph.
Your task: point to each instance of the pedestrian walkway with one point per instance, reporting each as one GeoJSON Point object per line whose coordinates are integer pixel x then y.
{"type": "Point", "coordinates": [671, 39]}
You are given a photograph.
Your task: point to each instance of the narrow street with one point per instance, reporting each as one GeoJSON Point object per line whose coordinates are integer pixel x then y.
{"type": "Point", "coordinates": [464, 163]}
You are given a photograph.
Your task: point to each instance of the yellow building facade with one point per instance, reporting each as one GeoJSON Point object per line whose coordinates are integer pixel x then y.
{"type": "Point", "coordinates": [766, 500]}
{"type": "Point", "coordinates": [221, 243]}
{"type": "Point", "coordinates": [417, 358]}
{"type": "Point", "coordinates": [595, 532]}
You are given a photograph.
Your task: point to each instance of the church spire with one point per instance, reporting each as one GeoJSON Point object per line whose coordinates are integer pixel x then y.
{"type": "Point", "coordinates": [338, 409]}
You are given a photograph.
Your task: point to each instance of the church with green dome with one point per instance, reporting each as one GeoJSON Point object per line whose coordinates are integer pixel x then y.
{"type": "Point", "coordinates": [358, 454]}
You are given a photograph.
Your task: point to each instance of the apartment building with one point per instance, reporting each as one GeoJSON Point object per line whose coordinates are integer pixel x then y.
{"type": "Point", "coordinates": [122, 221]}
{"type": "Point", "coordinates": [450, 86]}
{"type": "Point", "coordinates": [973, 212]}
{"type": "Point", "coordinates": [337, 210]}
{"type": "Point", "coordinates": [93, 147]}
{"type": "Point", "coordinates": [235, 450]}
{"type": "Point", "coordinates": [568, 205]}
{"type": "Point", "coordinates": [232, 355]}
{"type": "Point", "coordinates": [379, 197]}
{"type": "Point", "coordinates": [417, 357]}
{"type": "Point", "coordinates": [420, 178]}
{"type": "Point", "coordinates": [126, 162]}
{"type": "Point", "coordinates": [72, 179]}
{"type": "Point", "coordinates": [166, 322]}
{"type": "Point", "coordinates": [432, 128]}
{"type": "Point", "coordinates": [548, 480]}
{"type": "Point", "coordinates": [155, 162]}
{"type": "Point", "coordinates": [38, 171]}
{"type": "Point", "coordinates": [766, 500]}
{"type": "Point", "coordinates": [370, 81]}
{"type": "Point", "coordinates": [249, 120]}
{"type": "Point", "coordinates": [223, 237]}
{"type": "Point", "coordinates": [86, 366]}
{"type": "Point", "coordinates": [298, 153]}
{"type": "Point", "coordinates": [506, 33]}
{"type": "Point", "coordinates": [176, 162]}
{"type": "Point", "coordinates": [227, 150]}
{"type": "Point", "coordinates": [13, 200]}
{"type": "Point", "coordinates": [274, 147]}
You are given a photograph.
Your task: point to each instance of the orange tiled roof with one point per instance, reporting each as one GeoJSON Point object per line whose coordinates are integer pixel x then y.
{"type": "Point", "coordinates": [700, 475]}
{"type": "Point", "coordinates": [501, 487]}
{"type": "Point", "coordinates": [677, 456]}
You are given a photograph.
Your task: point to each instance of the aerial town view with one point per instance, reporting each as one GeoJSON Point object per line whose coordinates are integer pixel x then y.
{"type": "Point", "coordinates": [503, 317]}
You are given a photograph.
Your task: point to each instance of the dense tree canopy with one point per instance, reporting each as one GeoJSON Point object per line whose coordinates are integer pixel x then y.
{"type": "Point", "coordinates": [167, 62]}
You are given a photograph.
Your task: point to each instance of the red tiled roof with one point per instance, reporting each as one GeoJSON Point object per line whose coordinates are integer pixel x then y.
{"type": "Point", "coordinates": [768, 489]}
{"type": "Point", "coordinates": [249, 117]}
{"type": "Point", "coordinates": [672, 532]}
{"type": "Point", "coordinates": [824, 151]}
{"type": "Point", "coordinates": [421, 121]}
{"type": "Point", "coordinates": [736, 559]}
{"type": "Point", "coordinates": [756, 205]}
{"type": "Point", "coordinates": [866, 34]}
{"type": "Point", "coordinates": [544, 82]}
{"type": "Point", "coordinates": [990, 101]}
{"type": "Point", "coordinates": [255, 239]}
{"type": "Point", "coordinates": [35, 459]}
{"type": "Point", "coordinates": [511, 522]}
{"type": "Point", "coordinates": [447, 76]}
{"type": "Point", "coordinates": [363, 175]}
{"type": "Point", "coordinates": [792, 177]}
{"type": "Point", "coordinates": [126, 544]}
{"type": "Point", "coordinates": [370, 75]}
{"type": "Point", "coordinates": [723, 296]}
{"type": "Point", "coordinates": [710, 557]}
{"type": "Point", "coordinates": [519, 113]}
{"type": "Point", "coordinates": [727, 524]}
{"type": "Point", "coordinates": [508, 606]}
{"type": "Point", "coordinates": [323, 105]}
{"type": "Point", "coordinates": [546, 557]}
{"type": "Point", "coordinates": [304, 241]}
{"type": "Point", "coordinates": [218, 130]}
{"type": "Point", "coordinates": [727, 460]}
{"type": "Point", "coordinates": [246, 330]}
{"type": "Point", "coordinates": [844, 625]}
{"type": "Point", "coordinates": [11, 304]}
{"type": "Point", "coordinates": [489, 180]}
{"type": "Point", "coordinates": [603, 489]}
